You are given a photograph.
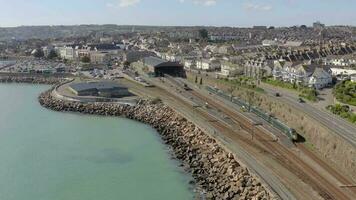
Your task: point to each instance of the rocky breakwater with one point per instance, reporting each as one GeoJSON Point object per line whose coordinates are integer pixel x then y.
{"type": "Point", "coordinates": [215, 171]}
{"type": "Point", "coordinates": [30, 79]}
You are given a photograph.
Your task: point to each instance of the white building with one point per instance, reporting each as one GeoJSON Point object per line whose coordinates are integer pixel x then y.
{"type": "Point", "coordinates": [208, 65]}
{"type": "Point", "coordinates": [303, 74]}
{"type": "Point", "coordinates": [189, 64]}
{"type": "Point", "coordinates": [353, 78]}
{"type": "Point", "coordinates": [337, 71]}
{"type": "Point", "coordinates": [340, 62]}
{"type": "Point", "coordinates": [320, 79]}
{"type": "Point", "coordinates": [66, 52]}
{"type": "Point", "coordinates": [229, 69]}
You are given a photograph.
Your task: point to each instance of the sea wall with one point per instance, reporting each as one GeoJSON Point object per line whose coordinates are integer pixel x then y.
{"type": "Point", "coordinates": [27, 78]}
{"type": "Point", "coordinates": [215, 171]}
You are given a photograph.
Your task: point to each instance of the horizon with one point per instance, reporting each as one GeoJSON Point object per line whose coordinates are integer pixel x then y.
{"type": "Point", "coordinates": [183, 26]}
{"type": "Point", "coordinates": [217, 13]}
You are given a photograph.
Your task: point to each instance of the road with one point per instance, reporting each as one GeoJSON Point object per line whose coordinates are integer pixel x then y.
{"type": "Point", "coordinates": [290, 174]}
{"type": "Point", "coordinates": [341, 127]}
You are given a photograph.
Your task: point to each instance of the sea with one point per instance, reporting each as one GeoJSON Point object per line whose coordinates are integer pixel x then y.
{"type": "Point", "coordinates": [48, 155]}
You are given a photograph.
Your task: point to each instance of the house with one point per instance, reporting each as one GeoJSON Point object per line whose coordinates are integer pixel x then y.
{"type": "Point", "coordinates": [353, 78]}
{"type": "Point", "coordinates": [342, 62]}
{"type": "Point", "coordinates": [270, 43]}
{"type": "Point", "coordinates": [340, 71]}
{"type": "Point", "coordinates": [134, 56]}
{"type": "Point", "coordinates": [99, 57]}
{"type": "Point", "coordinates": [258, 68]}
{"type": "Point", "coordinates": [66, 52]}
{"type": "Point", "coordinates": [208, 64]}
{"type": "Point", "coordinates": [226, 49]}
{"type": "Point", "coordinates": [189, 63]}
{"type": "Point", "coordinates": [229, 69]}
{"type": "Point", "coordinates": [320, 79]}
{"type": "Point", "coordinates": [302, 74]}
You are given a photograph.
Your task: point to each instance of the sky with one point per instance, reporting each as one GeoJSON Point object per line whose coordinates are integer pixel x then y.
{"type": "Point", "coordinates": [236, 13]}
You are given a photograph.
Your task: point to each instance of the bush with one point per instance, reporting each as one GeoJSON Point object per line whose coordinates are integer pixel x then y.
{"type": "Point", "coordinates": [343, 111]}
{"type": "Point", "coordinates": [345, 92]}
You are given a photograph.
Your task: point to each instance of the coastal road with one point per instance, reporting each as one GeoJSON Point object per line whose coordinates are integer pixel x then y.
{"type": "Point", "coordinates": [339, 126]}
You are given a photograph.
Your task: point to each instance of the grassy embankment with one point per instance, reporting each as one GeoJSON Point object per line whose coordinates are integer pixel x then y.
{"type": "Point", "coordinates": [345, 92]}
{"type": "Point", "coordinates": [304, 92]}
{"type": "Point", "coordinates": [343, 111]}
{"type": "Point", "coordinates": [242, 82]}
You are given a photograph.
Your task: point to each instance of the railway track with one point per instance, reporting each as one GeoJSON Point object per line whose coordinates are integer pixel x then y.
{"type": "Point", "coordinates": [288, 159]}
{"type": "Point", "coordinates": [263, 145]}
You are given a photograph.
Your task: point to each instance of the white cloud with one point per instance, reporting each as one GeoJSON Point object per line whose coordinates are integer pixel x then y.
{"type": "Point", "coordinates": [123, 3]}
{"type": "Point", "coordinates": [202, 2]}
{"type": "Point", "coordinates": [258, 7]}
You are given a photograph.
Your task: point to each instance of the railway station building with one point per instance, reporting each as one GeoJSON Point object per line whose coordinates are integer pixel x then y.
{"type": "Point", "coordinates": [158, 67]}
{"type": "Point", "coordinates": [99, 89]}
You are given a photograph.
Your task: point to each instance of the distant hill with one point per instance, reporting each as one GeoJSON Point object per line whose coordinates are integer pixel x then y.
{"type": "Point", "coordinates": [44, 32]}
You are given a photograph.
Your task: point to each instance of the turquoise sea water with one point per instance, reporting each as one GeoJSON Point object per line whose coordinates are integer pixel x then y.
{"type": "Point", "coordinates": [47, 155]}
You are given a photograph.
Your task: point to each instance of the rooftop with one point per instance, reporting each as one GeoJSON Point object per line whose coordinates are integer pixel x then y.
{"type": "Point", "coordinates": [96, 85]}
{"type": "Point", "coordinates": [153, 61]}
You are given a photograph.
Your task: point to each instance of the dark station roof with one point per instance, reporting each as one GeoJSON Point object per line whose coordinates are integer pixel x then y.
{"type": "Point", "coordinates": [158, 62]}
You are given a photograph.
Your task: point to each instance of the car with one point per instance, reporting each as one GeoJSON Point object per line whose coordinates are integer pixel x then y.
{"type": "Point", "coordinates": [301, 100]}
{"type": "Point", "coordinates": [277, 94]}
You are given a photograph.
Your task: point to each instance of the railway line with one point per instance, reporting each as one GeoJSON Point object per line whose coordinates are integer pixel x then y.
{"type": "Point", "coordinates": [284, 164]}
{"type": "Point", "coordinates": [325, 188]}
{"type": "Point", "coordinates": [286, 158]}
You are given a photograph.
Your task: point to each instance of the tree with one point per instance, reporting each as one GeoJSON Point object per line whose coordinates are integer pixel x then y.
{"type": "Point", "coordinates": [38, 53]}
{"type": "Point", "coordinates": [196, 79]}
{"type": "Point", "coordinates": [203, 33]}
{"type": "Point", "coordinates": [85, 59]}
{"type": "Point", "coordinates": [201, 81]}
{"type": "Point", "coordinates": [52, 54]}
{"type": "Point", "coordinates": [127, 64]}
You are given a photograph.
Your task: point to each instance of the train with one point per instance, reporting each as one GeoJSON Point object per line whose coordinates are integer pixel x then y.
{"type": "Point", "coordinates": [289, 132]}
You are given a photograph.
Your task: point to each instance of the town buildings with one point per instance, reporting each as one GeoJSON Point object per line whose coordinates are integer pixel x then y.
{"type": "Point", "coordinates": [310, 75]}
{"type": "Point", "coordinates": [256, 68]}
{"type": "Point", "coordinates": [229, 69]}
{"type": "Point", "coordinates": [208, 64]}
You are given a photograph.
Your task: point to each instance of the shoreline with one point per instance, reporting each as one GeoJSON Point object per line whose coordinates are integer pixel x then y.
{"type": "Point", "coordinates": [31, 79]}
{"type": "Point", "coordinates": [215, 171]}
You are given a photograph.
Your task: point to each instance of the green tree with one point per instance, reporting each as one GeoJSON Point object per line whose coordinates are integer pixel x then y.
{"type": "Point", "coordinates": [127, 64]}
{"type": "Point", "coordinates": [203, 33]}
{"type": "Point", "coordinates": [85, 59]}
{"type": "Point", "coordinates": [196, 79]}
{"type": "Point", "coordinates": [201, 81]}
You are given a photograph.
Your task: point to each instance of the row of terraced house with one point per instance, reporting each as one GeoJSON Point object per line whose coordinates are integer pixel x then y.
{"type": "Point", "coordinates": [306, 74]}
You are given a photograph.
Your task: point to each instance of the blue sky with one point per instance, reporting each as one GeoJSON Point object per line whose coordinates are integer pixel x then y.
{"type": "Point", "coordinates": [177, 12]}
